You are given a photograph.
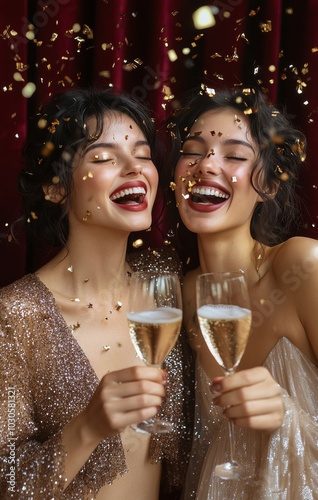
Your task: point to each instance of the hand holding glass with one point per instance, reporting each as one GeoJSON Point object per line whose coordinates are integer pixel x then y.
{"type": "Point", "coordinates": [154, 319]}
{"type": "Point", "coordinates": [224, 316]}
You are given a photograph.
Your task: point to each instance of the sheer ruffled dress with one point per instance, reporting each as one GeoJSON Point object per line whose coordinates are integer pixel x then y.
{"type": "Point", "coordinates": [283, 466]}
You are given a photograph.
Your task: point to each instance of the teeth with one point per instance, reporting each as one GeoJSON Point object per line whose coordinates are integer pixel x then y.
{"type": "Point", "coordinates": [126, 192]}
{"type": "Point", "coordinates": [207, 191]}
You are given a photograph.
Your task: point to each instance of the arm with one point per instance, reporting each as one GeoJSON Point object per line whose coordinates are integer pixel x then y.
{"type": "Point", "coordinates": [256, 396]}
{"type": "Point", "coordinates": [47, 465]}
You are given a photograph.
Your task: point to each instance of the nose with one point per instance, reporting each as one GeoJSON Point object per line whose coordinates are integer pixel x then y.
{"type": "Point", "coordinates": [132, 167]}
{"type": "Point", "coordinates": [209, 164]}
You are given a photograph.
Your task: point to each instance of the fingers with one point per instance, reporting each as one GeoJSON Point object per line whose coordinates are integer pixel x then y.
{"type": "Point", "coordinates": [125, 397]}
{"type": "Point", "coordinates": [252, 399]}
{"type": "Point", "coordinates": [135, 373]}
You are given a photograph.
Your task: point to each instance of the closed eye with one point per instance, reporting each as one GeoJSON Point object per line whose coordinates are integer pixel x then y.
{"type": "Point", "coordinates": [238, 158]}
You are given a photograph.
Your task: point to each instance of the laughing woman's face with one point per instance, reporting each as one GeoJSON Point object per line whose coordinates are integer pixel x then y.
{"type": "Point", "coordinates": [212, 176]}
{"type": "Point", "coordinates": [115, 180]}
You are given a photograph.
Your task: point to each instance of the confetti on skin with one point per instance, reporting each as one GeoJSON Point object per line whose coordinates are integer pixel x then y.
{"type": "Point", "coordinates": [90, 174]}
{"type": "Point", "coordinates": [118, 305]}
{"type": "Point", "coordinates": [234, 179]}
{"type": "Point", "coordinates": [190, 185]}
{"type": "Point", "coordinates": [87, 214]}
{"type": "Point", "coordinates": [75, 327]}
{"type": "Point", "coordinates": [70, 269]}
{"type": "Point", "coordinates": [76, 299]}
{"type": "Point", "coordinates": [106, 348]}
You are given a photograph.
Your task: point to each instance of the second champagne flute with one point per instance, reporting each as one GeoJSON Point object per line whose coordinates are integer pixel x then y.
{"type": "Point", "coordinates": [154, 319]}
{"type": "Point", "coordinates": [224, 315]}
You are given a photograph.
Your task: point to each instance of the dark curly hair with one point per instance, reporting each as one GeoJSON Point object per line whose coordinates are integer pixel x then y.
{"type": "Point", "coordinates": [55, 135]}
{"type": "Point", "coordinates": [281, 151]}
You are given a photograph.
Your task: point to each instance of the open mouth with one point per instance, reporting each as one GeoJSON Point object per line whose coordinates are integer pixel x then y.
{"type": "Point", "coordinates": [207, 195]}
{"type": "Point", "coordinates": [129, 196]}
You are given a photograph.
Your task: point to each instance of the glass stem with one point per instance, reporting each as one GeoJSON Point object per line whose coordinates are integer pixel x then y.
{"type": "Point", "coordinates": [231, 439]}
{"type": "Point", "coordinates": [231, 426]}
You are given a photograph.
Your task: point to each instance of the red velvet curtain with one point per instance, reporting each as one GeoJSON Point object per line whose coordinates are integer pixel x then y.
{"type": "Point", "coordinates": [48, 45]}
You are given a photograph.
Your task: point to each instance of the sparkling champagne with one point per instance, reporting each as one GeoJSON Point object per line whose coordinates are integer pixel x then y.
{"type": "Point", "coordinates": [225, 329]}
{"type": "Point", "coordinates": [154, 333]}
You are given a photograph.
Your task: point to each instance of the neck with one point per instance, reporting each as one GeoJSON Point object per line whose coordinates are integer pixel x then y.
{"type": "Point", "coordinates": [231, 252]}
{"type": "Point", "coordinates": [91, 264]}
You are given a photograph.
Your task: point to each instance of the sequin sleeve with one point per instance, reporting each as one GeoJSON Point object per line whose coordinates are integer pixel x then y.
{"type": "Point", "coordinates": [28, 466]}
{"type": "Point", "coordinates": [45, 380]}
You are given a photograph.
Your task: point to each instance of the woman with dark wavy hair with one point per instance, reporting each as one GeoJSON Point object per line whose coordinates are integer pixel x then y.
{"type": "Point", "coordinates": [71, 382]}
{"type": "Point", "coordinates": [233, 170]}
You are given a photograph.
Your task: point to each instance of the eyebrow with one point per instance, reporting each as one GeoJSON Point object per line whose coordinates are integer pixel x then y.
{"type": "Point", "coordinates": [111, 145]}
{"type": "Point", "coordinates": [226, 142]}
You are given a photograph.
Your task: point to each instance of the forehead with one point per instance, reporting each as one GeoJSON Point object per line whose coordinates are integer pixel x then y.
{"type": "Point", "coordinates": [220, 122]}
{"type": "Point", "coordinates": [115, 121]}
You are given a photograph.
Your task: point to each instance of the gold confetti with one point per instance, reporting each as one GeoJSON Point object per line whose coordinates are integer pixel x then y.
{"type": "Point", "coordinates": [119, 305]}
{"type": "Point", "coordinates": [106, 348]}
{"type": "Point", "coordinates": [75, 327]}
{"type": "Point", "coordinates": [173, 186]}
{"type": "Point", "coordinates": [70, 269]}
{"type": "Point", "coordinates": [138, 243]}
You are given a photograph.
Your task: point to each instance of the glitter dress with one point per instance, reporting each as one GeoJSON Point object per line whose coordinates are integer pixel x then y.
{"type": "Point", "coordinates": [46, 379]}
{"type": "Point", "coordinates": [283, 466]}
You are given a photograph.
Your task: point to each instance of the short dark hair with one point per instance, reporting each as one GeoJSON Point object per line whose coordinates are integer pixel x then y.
{"type": "Point", "coordinates": [281, 151]}
{"type": "Point", "coordinates": [55, 134]}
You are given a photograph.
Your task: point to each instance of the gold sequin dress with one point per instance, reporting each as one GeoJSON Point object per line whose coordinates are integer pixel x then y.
{"type": "Point", "coordinates": [46, 379]}
{"type": "Point", "coordinates": [283, 466]}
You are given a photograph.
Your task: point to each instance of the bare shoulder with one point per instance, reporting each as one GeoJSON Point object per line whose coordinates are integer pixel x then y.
{"type": "Point", "coordinates": [296, 255]}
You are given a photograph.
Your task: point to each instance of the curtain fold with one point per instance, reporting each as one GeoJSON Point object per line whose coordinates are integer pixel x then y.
{"type": "Point", "coordinates": [154, 52]}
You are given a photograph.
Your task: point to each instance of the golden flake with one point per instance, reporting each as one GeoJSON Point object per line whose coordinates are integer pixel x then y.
{"type": "Point", "coordinates": [138, 243]}
{"type": "Point", "coordinates": [284, 176]}
{"type": "Point", "coordinates": [106, 348]}
{"type": "Point", "coordinates": [266, 27]}
{"type": "Point", "coordinates": [70, 269]}
{"type": "Point", "coordinates": [47, 148]}
{"type": "Point", "coordinates": [75, 327]}
{"type": "Point", "coordinates": [34, 216]}
{"type": "Point", "coordinates": [173, 186]}
{"type": "Point", "coordinates": [89, 174]}
{"type": "Point", "coordinates": [88, 213]}
{"type": "Point", "coordinates": [118, 305]}
{"type": "Point", "coordinates": [190, 185]}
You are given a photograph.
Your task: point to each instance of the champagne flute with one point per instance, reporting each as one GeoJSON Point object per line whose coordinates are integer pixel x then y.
{"type": "Point", "coordinates": [224, 315]}
{"type": "Point", "coordinates": [154, 320]}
